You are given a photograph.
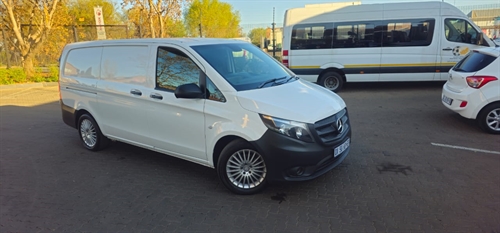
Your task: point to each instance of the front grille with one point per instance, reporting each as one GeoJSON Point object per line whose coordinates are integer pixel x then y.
{"type": "Point", "coordinates": [326, 129]}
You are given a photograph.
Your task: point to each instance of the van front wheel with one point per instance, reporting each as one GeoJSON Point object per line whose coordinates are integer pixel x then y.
{"type": "Point", "coordinates": [241, 168]}
{"type": "Point", "coordinates": [331, 80]}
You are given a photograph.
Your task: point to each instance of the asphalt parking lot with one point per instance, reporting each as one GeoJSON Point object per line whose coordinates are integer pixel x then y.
{"type": "Point", "coordinates": [414, 166]}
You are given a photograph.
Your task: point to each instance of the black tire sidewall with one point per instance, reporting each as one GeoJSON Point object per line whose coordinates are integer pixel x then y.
{"type": "Point", "coordinates": [226, 153]}
{"type": "Point", "coordinates": [482, 118]}
{"type": "Point", "coordinates": [328, 74]}
{"type": "Point", "coordinates": [100, 137]}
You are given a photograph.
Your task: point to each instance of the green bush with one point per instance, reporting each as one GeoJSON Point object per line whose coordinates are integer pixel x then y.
{"type": "Point", "coordinates": [12, 75]}
{"type": "Point", "coordinates": [17, 75]}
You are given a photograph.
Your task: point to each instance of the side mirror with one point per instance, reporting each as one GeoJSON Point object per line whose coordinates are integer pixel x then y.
{"type": "Point", "coordinates": [479, 39]}
{"type": "Point", "coordinates": [188, 91]}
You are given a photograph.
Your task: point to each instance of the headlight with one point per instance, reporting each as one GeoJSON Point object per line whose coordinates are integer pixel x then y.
{"type": "Point", "coordinates": [292, 129]}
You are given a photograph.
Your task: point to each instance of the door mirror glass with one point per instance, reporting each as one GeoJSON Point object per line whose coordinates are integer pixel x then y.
{"type": "Point", "coordinates": [479, 40]}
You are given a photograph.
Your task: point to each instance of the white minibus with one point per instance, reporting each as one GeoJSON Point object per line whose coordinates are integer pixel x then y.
{"type": "Point", "coordinates": [417, 41]}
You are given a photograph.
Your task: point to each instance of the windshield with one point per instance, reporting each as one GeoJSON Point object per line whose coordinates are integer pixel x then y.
{"type": "Point", "coordinates": [244, 65]}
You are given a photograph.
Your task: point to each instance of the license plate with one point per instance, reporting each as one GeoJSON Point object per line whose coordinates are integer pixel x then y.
{"type": "Point", "coordinates": [447, 100]}
{"type": "Point", "coordinates": [339, 149]}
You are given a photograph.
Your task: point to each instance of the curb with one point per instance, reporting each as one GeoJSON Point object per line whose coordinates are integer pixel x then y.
{"type": "Point", "coordinates": [28, 85]}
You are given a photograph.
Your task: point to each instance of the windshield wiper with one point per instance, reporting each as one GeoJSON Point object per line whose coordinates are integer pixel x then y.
{"type": "Point", "coordinates": [271, 81]}
{"type": "Point", "coordinates": [292, 77]}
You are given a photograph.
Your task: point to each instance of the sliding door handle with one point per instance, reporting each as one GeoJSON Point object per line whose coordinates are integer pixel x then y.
{"type": "Point", "coordinates": [135, 92]}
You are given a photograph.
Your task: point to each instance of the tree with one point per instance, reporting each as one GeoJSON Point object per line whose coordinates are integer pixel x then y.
{"type": "Point", "coordinates": [152, 17]}
{"type": "Point", "coordinates": [30, 21]}
{"type": "Point", "coordinates": [58, 37]}
{"type": "Point", "coordinates": [256, 34]}
{"type": "Point", "coordinates": [82, 13]}
{"type": "Point", "coordinates": [213, 19]}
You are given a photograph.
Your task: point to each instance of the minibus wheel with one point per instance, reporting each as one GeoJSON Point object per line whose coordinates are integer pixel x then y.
{"type": "Point", "coordinates": [489, 118]}
{"type": "Point", "coordinates": [331, 80]}
{"type": "Point", "coordinates": [241, 168]}
{"type": "Point", "coordinates": [90, 133]}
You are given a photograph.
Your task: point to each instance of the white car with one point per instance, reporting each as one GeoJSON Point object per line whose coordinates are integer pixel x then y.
{"type": "Point", "coordinates": [473, 88]}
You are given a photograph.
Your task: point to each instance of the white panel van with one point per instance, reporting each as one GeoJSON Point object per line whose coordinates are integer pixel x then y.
{"type": "Point", "coordinates": [224, 104]}
{"type": "Point", "coordinates": [417, 41]}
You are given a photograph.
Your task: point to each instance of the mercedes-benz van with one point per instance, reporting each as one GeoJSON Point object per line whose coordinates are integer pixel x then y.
{"type": "Point", "coordinates": [224, 104]}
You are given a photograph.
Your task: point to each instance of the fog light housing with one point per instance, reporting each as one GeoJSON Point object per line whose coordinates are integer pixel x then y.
{"type": "Point", "coordinates": [296, 171]}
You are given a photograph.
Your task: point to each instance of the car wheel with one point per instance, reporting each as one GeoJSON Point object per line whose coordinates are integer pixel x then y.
{"type": "Point", "coordinates": [90, 134]}
{"type": "Point", "coordinates": [241, 168]}
{"type": "Point", "coordinates": [489, 118]}
{"type": "Point", "coordinates": [331, 80]}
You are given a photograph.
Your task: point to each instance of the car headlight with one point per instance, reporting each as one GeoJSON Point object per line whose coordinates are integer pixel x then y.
{"type": "Point", "coordinates": [288, 128]}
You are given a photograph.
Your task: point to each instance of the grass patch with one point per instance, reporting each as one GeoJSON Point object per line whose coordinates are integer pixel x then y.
{"type": "Point", "coordinates": [16, 75]}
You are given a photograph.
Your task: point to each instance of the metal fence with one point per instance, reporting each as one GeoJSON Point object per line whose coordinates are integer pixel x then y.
{"type": "Point", "coordinates": [69, 33]}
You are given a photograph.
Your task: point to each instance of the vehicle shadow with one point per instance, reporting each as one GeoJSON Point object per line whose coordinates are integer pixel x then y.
{"type": "Point", "coordinates": [381, 86]}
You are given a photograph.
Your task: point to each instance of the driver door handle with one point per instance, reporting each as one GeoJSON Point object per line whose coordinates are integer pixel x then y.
{"type": "Point", "coordinates": [156, 96]}
{"type": "Point", "coordinates": [447, 49]}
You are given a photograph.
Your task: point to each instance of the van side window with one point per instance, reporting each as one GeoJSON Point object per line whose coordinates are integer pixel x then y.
{"type": "Point", "coordinates": [376, 33]}
{"type": "Point", "coordinates": [213, 93]}
{"type": "Point", "coordinates": [414, 32]}
{"type": "Point", "coordinates": [125, 64]}
{"type": "Point", "coordinates": [354, 35]}
{"type": "Point", "coordinates": [174, 68]}
{"type": "Point", "coordinates": [83, 63]}
{"type": "Point", "coordinates": [459, 30]}
{"type": "Point", "coordinates": [312, 36]}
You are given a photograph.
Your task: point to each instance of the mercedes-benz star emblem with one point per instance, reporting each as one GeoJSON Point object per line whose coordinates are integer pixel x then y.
{"type": "Point", "coordinates": [339, 125]}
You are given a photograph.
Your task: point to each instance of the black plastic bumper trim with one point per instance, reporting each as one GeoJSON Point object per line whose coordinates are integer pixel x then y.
{"type": "Point", "coordinates": [68, 115]}
{"type": "Point", "coordinates": [284, 154]}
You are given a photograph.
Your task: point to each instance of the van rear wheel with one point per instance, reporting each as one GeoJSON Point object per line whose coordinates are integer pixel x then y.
{"type": "Point", "coordinates": [332, 81]}
{"type": "Point", "coordinates": [90, 133]}
{"type": "Point", "coordinates": [241, 168]}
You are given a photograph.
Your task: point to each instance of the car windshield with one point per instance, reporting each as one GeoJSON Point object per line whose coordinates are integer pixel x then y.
{"type": "Point", "coordinates": [244, 65]}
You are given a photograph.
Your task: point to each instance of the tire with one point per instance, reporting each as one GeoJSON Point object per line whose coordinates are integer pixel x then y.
{"type": "Point", "coordinates": [90, 133]}
{"type": "Point", "coordinates": [489, 118]}
{"type": "Point", "coordinates": [332, 81]}
{"type": "Point", "coordinates": [241, 168]}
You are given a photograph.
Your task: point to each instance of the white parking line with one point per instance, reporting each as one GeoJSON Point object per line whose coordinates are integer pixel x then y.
{"type": "Point", "coordinates": [466, 148]}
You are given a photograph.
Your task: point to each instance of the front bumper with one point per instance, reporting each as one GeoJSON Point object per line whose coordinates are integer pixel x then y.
{"type": "Point", "coordinates": [289, 159]}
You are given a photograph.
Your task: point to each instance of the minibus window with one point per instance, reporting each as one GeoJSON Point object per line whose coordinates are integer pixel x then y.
{"type": "Point", "coordinates": [459, 30]}
{"type": "Point", "coordinates": [312, 36]}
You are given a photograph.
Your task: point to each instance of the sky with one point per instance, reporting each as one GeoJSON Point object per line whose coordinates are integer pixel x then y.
{"type": "Point", "coordinates": [258, 13]}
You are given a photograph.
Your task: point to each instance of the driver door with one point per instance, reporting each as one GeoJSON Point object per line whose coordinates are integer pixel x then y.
{"type": "Point", "coordinates": [177, 126]}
